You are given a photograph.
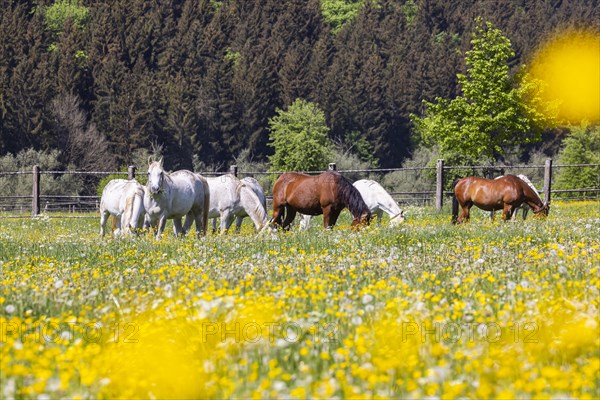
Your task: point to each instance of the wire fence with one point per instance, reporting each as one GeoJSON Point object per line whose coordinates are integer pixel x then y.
{"type": "Point", "coordinates": [27, 193]}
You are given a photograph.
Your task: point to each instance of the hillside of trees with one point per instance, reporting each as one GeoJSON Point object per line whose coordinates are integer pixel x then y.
{"type": "Point", "coordinates": [101, 79]}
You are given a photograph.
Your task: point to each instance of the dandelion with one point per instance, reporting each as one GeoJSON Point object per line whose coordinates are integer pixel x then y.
{"type": "Point", "coordinates": [367, 298]}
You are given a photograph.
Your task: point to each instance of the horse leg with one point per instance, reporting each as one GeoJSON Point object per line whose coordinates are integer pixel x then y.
{"type": "Point", "coordinates": [177, 228]}
{"type": "Point", "coordinates": [226, 220]}
{"type": "Point", "coordinates": [278, 213]}
{"type": "Point", "coordinates": [507, 212]}
{"type": "Point", "coordinates": [162, 222]}
{"type": "Point", "coordinates": [290, 214]}
{"type": "Point", "coordinates": [379, 214]}
{"type": "Point", "coordinates": [326, 216]}
{"type": "Point", "coordinates": [200, 225]}
{"type": "Point", "coordinates": [187, 223]}
{"type": "Point", "coordinates": [333, 217]}
{"type": "Point", "coordinates": [238, 223]}
{"type": "Point", "coordinates": [191, 217]}
{"type": "Point", "coordinates": [465, 214]}
{"type": "Point", "coordinates": [304, 221]}
{"type": "Point", "coordinates": [124, 224]}
{"type": "Point", "coordinates": [116, 225]}
{"type": "Point", "coordinates": [103, 216]}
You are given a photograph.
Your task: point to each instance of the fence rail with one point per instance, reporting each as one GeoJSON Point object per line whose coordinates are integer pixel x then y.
{"type": "Point", "coordinates": [33, 203]}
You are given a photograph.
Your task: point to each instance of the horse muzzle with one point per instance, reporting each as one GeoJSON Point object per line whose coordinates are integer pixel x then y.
{"type": "Point", "coordinates": [542, 211]}
{"type": "Point", "coordinates": [364, 220]}
{"type": "Point", "coordinates": [397, 219]}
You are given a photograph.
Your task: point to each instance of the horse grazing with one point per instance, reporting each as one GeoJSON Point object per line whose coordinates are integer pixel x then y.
{"type": "Point", "coordinates": [505, 193]}
{"type": "Point", "coordinates": [124, 199]}
{"type": "Point", "coordinates": [173, 196]}
{"type": "Point", "coordinates": [377, 199]}
{"type": "Point", "coordinates": [230, 198]}
{"type": "Point", "coordinates": [327, 194]}
{"type": "Point", "coordinates": [523, 206]}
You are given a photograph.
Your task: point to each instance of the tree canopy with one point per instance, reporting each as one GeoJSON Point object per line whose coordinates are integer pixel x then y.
{"type": "Point", "coordinates": [203, 78]}
{"type": "Point", "coordinates": [492, 113]}
{"type": "Point", "coordinates": [299, 138]}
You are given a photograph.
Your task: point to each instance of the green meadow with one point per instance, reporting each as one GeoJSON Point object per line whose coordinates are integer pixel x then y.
{"type": "Point", "coordinates": [426, 309]}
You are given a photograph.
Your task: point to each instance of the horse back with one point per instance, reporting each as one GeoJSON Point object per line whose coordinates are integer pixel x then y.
{"type": "Point", "coordinates": [112, 195]}
{"type": "Point", "coordinates": [490, 194]}
{"type": "Point", "coordinates": [299, 191]}
{"type": "Point", "coordinates": [374, 195]}
{"type": "Point", "coordinates": [258, 190]}
{"type": "Point", "coordinates": [186, 191]}
{"type": "Point", "coordinates": [224, 193]}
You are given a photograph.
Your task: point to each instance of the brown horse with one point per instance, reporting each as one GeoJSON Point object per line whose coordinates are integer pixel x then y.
{"type": "Point", "coordinates": [327, 194]}
{"type": "Point", "coordinates": [505, 193]}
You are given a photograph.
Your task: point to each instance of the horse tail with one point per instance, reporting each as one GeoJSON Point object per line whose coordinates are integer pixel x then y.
{"type": "Point", "coordinates": [137, 210]}
{"type": "Point", "coordinates": [114, 222]}
{"type": "Point", "coordinates": [127, 216]}
{"type": "Point", "coordinates": [206, 206]}
{"type": "Point", "coordinates": [454, 202]}
{"type": "Point", "coordinates": [253, 207]}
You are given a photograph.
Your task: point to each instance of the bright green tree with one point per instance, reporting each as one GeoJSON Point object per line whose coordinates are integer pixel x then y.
{"type": "Point", "coordinates": [496, 111]}
{"type": "Point", "coordinates": [299, 138]}
{"type": "Point", "coordinates": [58, 13]}
{"type": "Point", "coordinates": [582, 146]}
{"type": "Point", "coordinates": [337, 12]}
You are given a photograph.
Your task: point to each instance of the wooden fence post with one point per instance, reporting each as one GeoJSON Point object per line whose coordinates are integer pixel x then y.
{"type": "Point", "coordinates": [439, 184]}
{"type": "Point", "coordinates": [547, 180]}
{"type": "Point", "coordinates": [35, 193]}
{"type": "Point", "coordinates": [332, 166]}
{"type": "Point", "coordinates": [131, 172]}
{"type": "Point", "coordinates": [233, 170]}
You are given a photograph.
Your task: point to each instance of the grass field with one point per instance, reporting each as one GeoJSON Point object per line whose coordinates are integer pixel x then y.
{"type": "Point", "coordinates": [424, 310]}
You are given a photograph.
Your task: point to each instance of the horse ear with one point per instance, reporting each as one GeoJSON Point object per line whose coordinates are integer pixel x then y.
{"type": "Point", "coordinates": [149, 160]}
{"type": "Point", "coordinates": [160, 162]}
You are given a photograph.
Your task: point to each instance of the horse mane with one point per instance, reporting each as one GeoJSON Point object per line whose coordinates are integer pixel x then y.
{"type": "Point", "coordinates": [351, 196]}
{"type": "Point", "coordinates": [237, 182]}
{"type": "Point", "coordinates": [528, 182]}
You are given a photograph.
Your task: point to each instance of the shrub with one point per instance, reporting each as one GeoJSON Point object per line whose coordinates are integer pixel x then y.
{"type": "Point", "coordinates": [582, 146]}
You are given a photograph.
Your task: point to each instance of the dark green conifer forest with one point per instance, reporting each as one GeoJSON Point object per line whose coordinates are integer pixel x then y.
{"type": "Point", "coordinates": [202, 78]}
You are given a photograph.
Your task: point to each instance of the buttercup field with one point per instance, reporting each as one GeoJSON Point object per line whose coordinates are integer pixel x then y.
{"type": "Point", "coordinates": [424, 309]}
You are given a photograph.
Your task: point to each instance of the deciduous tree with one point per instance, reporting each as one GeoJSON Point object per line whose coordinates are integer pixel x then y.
{"type": "Point", "coordinates": [495, 110]}
{"type": "Point", "coordinates": [299, 138]}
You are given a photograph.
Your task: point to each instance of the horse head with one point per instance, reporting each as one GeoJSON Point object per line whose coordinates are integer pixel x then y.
{"type": "Point", "coordinates": [156, 176]}
{"type": "Point", "coordinates": [544, 210]}
{"type": "Point", "coordinates": [267, 227]}
{"type": "Point", "coordinates": [397, 219]}
{"type": "Point", "coordinates": [364, 219]}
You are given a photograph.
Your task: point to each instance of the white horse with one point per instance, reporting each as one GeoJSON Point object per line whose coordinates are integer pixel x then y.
{"type": "Point", "coordinates": [377, 199]}
{"type": "Point", "coordinates": [250, 184]}
{"type": "Point", "coordinates": [173, 196]}
{"type": "Point", "coordinates": [124, 199]}
{"type": "Point", "coordinates": [523, 206]}
{"type": "Point", "coordinates": [230, 198]}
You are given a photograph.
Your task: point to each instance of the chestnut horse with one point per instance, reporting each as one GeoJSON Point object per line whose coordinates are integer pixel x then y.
{"type": "Point", "coordinates": [505, 193]}
{"type": "Point", "coordinates": [327, 194]}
